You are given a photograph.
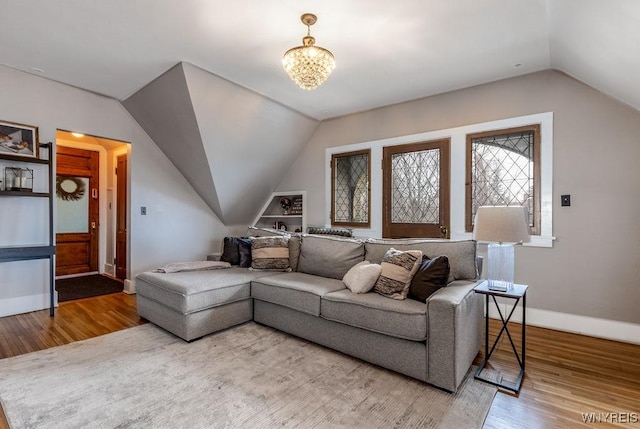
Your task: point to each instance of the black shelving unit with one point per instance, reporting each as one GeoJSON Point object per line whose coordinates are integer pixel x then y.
{"type": "Point", "coordinates": [47, 251]}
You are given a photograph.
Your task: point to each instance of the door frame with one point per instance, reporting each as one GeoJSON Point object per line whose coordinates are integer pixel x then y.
{"type": "Point", "coordinates": [121, 199]}
{"type": "Point", "coordinates": [93, 195]}
{"type": "Point", "coordinates": [104, 145]}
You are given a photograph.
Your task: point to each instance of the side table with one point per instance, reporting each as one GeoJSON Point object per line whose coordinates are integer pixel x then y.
{"type": "Point", "coordinates": [516, 293]}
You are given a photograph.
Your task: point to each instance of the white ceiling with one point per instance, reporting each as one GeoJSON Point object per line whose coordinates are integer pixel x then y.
{"type": "Point", "coordinates": [386, 51]}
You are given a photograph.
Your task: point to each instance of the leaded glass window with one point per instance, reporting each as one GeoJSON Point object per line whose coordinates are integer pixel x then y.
{"type": "Point", "coordinates": [350, 193]}
{"type": "Point", "coordinates": [503, 170]}
{"type": "Point", "coordinates": [415, 187]}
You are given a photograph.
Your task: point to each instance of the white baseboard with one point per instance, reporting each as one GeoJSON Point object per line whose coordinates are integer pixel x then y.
{"type": "Point", "coordinates": [583, 325]}
{"type": "Point", "coordinates": [24, 304]}
{"type": "Point", "coordinates": [110, 269]}
{"type": "Point", "coordinates": [129, 286]}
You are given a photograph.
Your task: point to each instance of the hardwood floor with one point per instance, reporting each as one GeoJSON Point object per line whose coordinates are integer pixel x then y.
{"type": "Point", "coordinates": [567, 374]}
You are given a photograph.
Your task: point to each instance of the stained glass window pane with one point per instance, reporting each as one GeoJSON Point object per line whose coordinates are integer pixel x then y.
{"type": "Point", "coordinates": [351, 189]}
{"type": "Point", "coordinates": [502, 171]}
{"type": "Point", "coordinates": [415, 187]}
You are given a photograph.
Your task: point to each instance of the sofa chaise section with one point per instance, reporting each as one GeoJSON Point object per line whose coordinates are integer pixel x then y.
{"type": "Point", "coordinates": [196, 303]}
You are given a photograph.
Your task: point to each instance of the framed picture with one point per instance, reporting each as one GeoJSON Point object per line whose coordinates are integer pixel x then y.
{"type": "Point", "coordinates": [18, 139]}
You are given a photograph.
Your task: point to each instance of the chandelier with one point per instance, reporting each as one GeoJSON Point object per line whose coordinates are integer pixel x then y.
{"type": "Point", "coordinates": [308, 65]}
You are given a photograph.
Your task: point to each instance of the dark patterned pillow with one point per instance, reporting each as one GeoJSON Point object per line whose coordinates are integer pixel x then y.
{"type": "Point", "coordinates": [270, 253]}
{"type": "Point", "coordinates": [244, 249]}
{"type": "Point", "coordinates": [398, 268]}
{"type": "Point", "coordinates": [432, 275]}
{"type": "Point", "coordinates": [233, 248]}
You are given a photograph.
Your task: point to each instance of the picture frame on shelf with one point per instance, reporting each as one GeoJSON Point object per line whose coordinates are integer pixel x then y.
{"type": "Point", "coordinates": [18, 139]}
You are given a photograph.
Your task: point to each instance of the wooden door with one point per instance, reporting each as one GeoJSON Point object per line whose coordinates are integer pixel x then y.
{"type": "Point", "coordinates": [77, 185]}
{"type": "Point", "coordinates": [121, 217]}
{"type": "Point", "coordinates": [416, 190]}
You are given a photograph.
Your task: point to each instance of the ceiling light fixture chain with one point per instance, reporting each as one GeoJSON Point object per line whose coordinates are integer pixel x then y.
{"type": "Point", "coordinates": [308, 65]}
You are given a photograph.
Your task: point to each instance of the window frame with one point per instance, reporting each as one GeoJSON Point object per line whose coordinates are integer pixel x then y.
{"type": "Point", "coordinates": [416, 230]}
{"type": "Point", "coordinates": [457, 135]}
{"type": "Point", "coordinates": [334, 158]}
{"type": "Point", "coordinates": [535, 229]}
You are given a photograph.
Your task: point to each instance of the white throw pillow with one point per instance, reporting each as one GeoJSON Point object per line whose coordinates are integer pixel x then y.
{"type": "Point", "coordinates": [362, 276]}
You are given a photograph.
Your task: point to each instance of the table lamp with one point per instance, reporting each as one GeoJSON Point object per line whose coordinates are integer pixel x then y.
{"type": "Point", "coordinates": [502, 227]}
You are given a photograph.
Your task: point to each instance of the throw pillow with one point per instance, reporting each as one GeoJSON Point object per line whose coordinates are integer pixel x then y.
{"type": "Point", "coordinates": [432, 275]}
{"type": "Point", "coordinates": [270, 253]}
{"type": "Point", "coordinates": [362, 276]}
{"type": "Point", "coordinates": [244, 249]}
{"type": "Point", "coordinates": [230, 252]}
{"type": "Point", "coordinates": [236, 251]}
{"type": "Point", "coordinates": [398, 268]}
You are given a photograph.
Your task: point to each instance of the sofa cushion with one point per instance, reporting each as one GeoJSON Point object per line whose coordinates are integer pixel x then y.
{"type": "Point", "coordinates": [402, 319]}
{"type": "Point", "coordinates": [294, 251]}
{"type": "Point", "coordinates": [461, 254]}
{"type": "Point", "coordinates": [432, 275]}
{"type": "Point", "coordinates": [298, 291]}
{"type": "Point", "coordinates": [192, 291]}
{"type": "Point", "coordinates": [362, 277]}
{"type": "Point", "coordinates": [398, 268]}
{"type": "Point", "coordinates": [329, 256]}
{"type": "Point", "coordinates": [270, 253]}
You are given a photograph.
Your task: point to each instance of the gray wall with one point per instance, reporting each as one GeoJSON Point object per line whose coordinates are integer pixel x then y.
{"type": "Point", "coordinates": [179, 225]}
{"type": "Point", "coordinates": [232, 144]}
{"type": "Point", "coordinates": [593, 268]}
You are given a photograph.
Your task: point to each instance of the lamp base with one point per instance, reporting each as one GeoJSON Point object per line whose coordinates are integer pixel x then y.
{"type": "Point", "coordinates": [500, 266]}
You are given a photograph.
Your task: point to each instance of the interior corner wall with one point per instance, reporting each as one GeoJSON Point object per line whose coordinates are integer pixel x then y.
{"type": "Point", "coordinates": [594, 266]}
{"type": "Point", "coordinates": [178, 225]}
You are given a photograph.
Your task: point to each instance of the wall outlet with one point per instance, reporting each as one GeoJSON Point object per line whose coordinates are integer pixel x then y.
{"type": "Point", "coordinates": [143, 211]}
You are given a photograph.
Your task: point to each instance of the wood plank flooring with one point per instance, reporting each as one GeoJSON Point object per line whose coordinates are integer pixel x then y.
{"type": "Point", "coordinates": [567, 374]}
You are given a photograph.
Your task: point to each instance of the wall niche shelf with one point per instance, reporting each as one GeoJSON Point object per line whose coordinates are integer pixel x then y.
{"type": "Point", "coordinates": [273, 214]}
{"type": "Point", "coordinates": [15, 253]}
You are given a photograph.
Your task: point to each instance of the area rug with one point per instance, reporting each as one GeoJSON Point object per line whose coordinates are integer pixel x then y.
{"type": "Point", "coordinates": [86, 287]}
{"type": "Point", "coordinates": [249, 376]}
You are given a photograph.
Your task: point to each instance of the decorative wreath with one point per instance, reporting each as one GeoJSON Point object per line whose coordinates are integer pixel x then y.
{"type": "Point", "coordinates": [74, 195]}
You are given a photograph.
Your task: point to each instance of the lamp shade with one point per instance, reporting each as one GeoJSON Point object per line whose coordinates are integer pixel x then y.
{"type": "Point", "coordinates": [501, 224]}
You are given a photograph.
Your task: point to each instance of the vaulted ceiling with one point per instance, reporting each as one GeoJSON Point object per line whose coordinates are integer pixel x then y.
{"type": "Point", "coordinates": [386, 53]}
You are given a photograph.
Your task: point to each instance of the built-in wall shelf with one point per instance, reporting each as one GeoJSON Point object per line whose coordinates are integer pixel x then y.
{"type": "Point", "coordinates": [23, 194]}
{"type": "Point", "coordinates": [292, 219]}
{"type": "Point", "coordinates": [34, 252]}
{"type": "Point", "coordinates": [25, 253]}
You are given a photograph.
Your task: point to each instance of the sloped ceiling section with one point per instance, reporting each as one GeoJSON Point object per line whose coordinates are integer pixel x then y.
{"type": "Point", "coordinates": [598, 43]}
{"type": "Point", "coordinates": [235, 145]}
{"type": "Point", "coordinates": [163, 109]}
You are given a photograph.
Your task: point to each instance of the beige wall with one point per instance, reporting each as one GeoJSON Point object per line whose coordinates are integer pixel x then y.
{"type": "Point", "coordinates": [592, 269]}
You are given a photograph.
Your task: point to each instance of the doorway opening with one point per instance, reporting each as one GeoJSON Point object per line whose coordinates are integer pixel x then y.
{"type": "Point", "coordinates": [91, 214]}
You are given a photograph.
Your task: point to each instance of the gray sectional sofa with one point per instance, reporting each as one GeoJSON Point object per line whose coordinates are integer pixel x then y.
{"type": "Point", "coordinates": [433, 341]}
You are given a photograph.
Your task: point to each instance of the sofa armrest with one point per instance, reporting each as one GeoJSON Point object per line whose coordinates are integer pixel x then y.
{"type": "Point", "coordinates": [454, 333]}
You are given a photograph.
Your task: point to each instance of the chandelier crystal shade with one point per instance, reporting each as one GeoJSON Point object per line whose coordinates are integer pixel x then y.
{"type": "Point", "coordinates": [308, 65]}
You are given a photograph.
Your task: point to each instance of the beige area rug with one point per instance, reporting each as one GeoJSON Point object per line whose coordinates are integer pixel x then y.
{"type": "Point", "coordinates": [249, 376]}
